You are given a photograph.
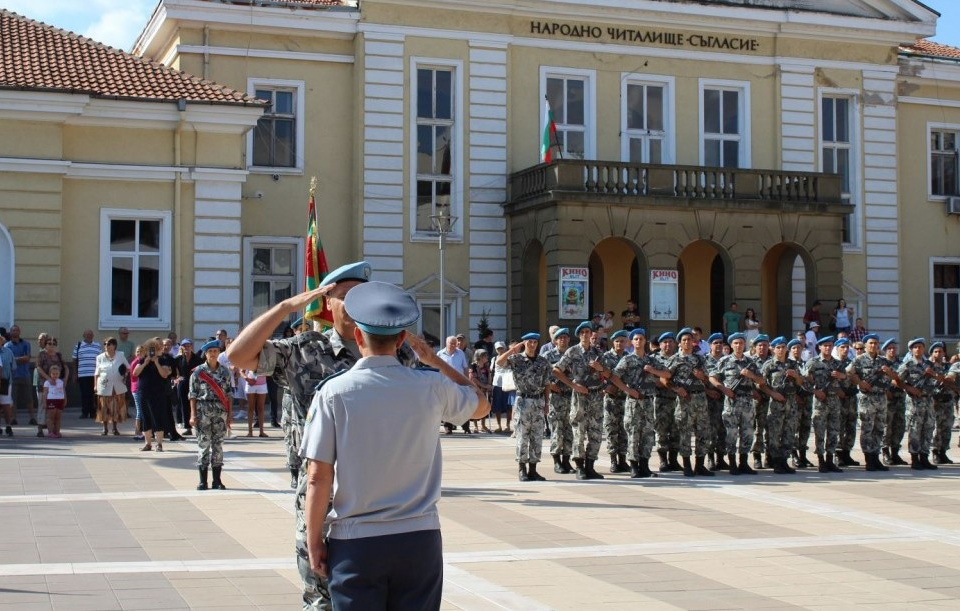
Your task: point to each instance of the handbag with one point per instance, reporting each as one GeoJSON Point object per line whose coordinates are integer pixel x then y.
{"type": "Point", "coordinates": [122, 369]}
{"type": "Point", "coordinates": [507, 384]}
{"type": "Point", "coordinates": [4, 386]}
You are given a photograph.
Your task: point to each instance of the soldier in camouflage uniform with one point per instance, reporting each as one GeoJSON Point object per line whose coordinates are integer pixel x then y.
{"type": "Point", "coordinates": [209, 411]}
{"type": "Point", "coordinates": [558, 409]}
{"type": "Point", "coordinates": [783, 381]}
{"type": "Point", "coordinates": [639, 375]}
{"type": "Point", "coordinates": [951, 380]}
{"type": "Point", "coordinates": [579, 368]}
{"type": "Point", "coordinates": [895, 419]}
{"type": "Point", "coordinates": [873, 376]}
{"type": "Point", "coordinates": [735, 375]}
{"type": "Point", "coordinates": [848, 408]}
{"type": "Point", "coordinates": [664, 406]}
{"type": "Point", "coordinates": [761, 354]}
{"type": "Point", "coordinates": [687, 378]}
{"type": "Point", "coordinates": [531, 373]}
{"type": "Point", "coordinates": [917, 379]}
{"type": "Point", "coordinates": [804, 402]}
{"type": "Point", "coordinates": [716, 460]}
{"type": "Point", "coordinates": [943, 402]}
{"type": "Point", "coordinates": [291, 436]}
{"type": "Point", "coordinates": [824, 373]}
{"type": "Point", "coordinates": [613, 407]}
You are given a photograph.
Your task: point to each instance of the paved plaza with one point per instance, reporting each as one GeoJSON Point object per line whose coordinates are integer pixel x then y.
{"type": "Point", "coordinates": [89, 522]}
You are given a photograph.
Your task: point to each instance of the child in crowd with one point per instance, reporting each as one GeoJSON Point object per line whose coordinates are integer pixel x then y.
{"type": "Point", "coordinates": [54, 397]}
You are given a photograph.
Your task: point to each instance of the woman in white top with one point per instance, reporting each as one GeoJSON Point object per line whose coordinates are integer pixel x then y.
{"type": "Point", "coordinates": [111, 391]}
{"type": "Point", "coordinates": [842, 317]}
{"type": "Point", "coordinates": [751, 325]}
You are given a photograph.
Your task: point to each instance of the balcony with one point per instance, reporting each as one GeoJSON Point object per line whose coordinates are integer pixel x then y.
{"type": "Point", "coordinates": [674, 186]}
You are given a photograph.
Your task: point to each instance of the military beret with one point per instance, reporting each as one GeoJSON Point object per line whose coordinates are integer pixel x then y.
{"type": "Point", "coordinates": [638, 331]}
{"type": "Point", "coordinates": [618, 334]}
{"type": "Point", "coordinates": [584, 325]}
{"type": "Point", "coordinates": [734, 336]}
{"type": "Point", "coordinates": [825, 340]}
{"type": "Point", "coordinates": [715, 337]}
{"type": "Point", "coordinates": [915, 341]}
{"type": "Point", "coordinates": [561, 331]}
{"type": "Point", "coordinates": [381, 308]}
{"type": "Point", "coordinates": [778, 341]}
{"type": "Point", "coordinates": [684, 331]}
{"type": "Point", "coordinates": [870, 336]}
{"type": "Point", "coordinates": [529, 336]}
{"type": "Point", "coordinates": [842, 342]}
{"type": "Point", "coordinates": [888, 343]}
{"type": "Point", "coordinates": [794, 342]}
{"type": "Point", "coordinates": [214, 343]}
{"type": "Point", "coordinates": [351, 271]}
{"type": "Point", "coordinates": [935, 345]}
{"type": "Point", "coordinates": [665, 336]}
{"type": "Point", "coordinates": [763, 337]}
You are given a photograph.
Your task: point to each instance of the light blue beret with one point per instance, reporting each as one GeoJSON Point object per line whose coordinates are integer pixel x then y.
{"type": "Point", "coordinates": [825, 340]}
{"type": "Point", "coordinates": [869, 336]}
{"type": "Point", "coordinates": [584, 325]}
{"type": "Point", "coordinates": [842, 342]}
{"type": "Point", "coordinates": [360, 270]}
{"type": "Point", "coordinates": [214, 343]}
{"type": "Point", "coordinates": [561, 331]}
{"type": "Point", "coordinates": [618, 334]}
{"type": "Point", "coordinates": [638, 331]}
{"type": "Point", "coordinates": [936, 345]}
{"type": "Point", "coordinates": [794, 342]}
{"type": "Point", "coordinates": [684, 331]}
{"type": "Point", "coordinates": [381, 308]}
{"type": "Point", "coordinates": [777, 341]}
{"type": "Point", "coordinates": [531, 335]}
{"type": "Point", "coordinates": [734, 336]}
{"type": "Point", "coordinates": [890, 342]}
{"type": "Point", "coordinates": [915, 341]}
{"type": "Point", "coordinates": [715, 337]}
{"type": "Point", "coordinates": [665, 336]}
{"type": "Point", "coordinates": [763, 337]}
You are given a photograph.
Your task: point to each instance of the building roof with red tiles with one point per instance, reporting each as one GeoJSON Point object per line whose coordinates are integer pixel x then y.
{"type": "Point", "coordinates": [928, 48]}
{"type": "Point", "coordinates": [38, 57]}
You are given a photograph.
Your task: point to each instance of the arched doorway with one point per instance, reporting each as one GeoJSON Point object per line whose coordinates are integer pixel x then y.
{"type": "Point", "coordinates": [706, 285]}
{"type": "Point", "coordinates": [6, 278]}
{"type": "Point", "coordinates": [787, 286]}
{"type": "Point", "coordinates": [618, 272]}
{"type": "Point", "coordinates": [533, 289]}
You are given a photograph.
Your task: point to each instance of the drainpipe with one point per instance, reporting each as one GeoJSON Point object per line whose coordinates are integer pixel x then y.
{"type": "Point", "coordinates": [177, 229]}
{"type": "Point", "coordinates": [206, 51]}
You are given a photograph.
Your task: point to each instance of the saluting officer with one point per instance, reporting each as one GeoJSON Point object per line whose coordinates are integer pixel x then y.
{"type": "Point", "coordinates": [531, 373]}
{"type": "Point", "coordinates": [558, 411]}
{"type": "Point", "coordinates": [579, 368]}
{"type": "Point", "coordinates": [736, 375]}
{"type": "Point", "coordinates": [613, 407]}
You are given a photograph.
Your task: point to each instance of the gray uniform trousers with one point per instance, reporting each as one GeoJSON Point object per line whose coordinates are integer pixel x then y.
{"type": "Point", "coordinates": [586, 417]}
{"type": "Point", "coordinates": [211, 429]}
{"type": "Point", "coordinates": [316, 594]}
{"type": "Point", "coordinates": [760, 438]}
{"type": "Point", "coordinates": [715, 409]}
{"type": "Point", "coordinates": [943, 417]}
{"type": "Point", "coordinates": [826, 423]}
{"type": "Point", "coordinates": [558, 414]}
{"type": "Point", "coordinates": [738, 417]}
{"type": "Point", "coordinates": [664, 407]}
{"type": "Point", "coordinates": [691, 418]}
{"type": "Point", "coordinates": [291, 432]}
{"type": "Point", "coordinates": [920, 424]}
{"type": "Point", "coordinates": [613, 413]}
{"type": "Point", "coordinates": [872, 408]}
{"type": "Point", "coordinates": [895, 421]}
{"type": "Point", "coordinates": [804, 420]}
{"type": "Point", "coordinates": [782, 426]}
{"type": "Point", "coordinates": [528, 428]}
{"type": "Point", "coordinates": [849, 410]}
{"type": "Point", "coordinates": [638, 420]}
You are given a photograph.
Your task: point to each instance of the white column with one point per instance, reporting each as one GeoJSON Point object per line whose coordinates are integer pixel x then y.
{"type": "Point", "coordinates": [487, 158]}
{"type": "Point", "coordinates": [383, 208]}
{"type": "Point", "coordinates": [880, 202]}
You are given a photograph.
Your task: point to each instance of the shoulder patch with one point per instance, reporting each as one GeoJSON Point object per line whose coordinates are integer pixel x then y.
{"type": "Point", "coordinates": [313, 404]}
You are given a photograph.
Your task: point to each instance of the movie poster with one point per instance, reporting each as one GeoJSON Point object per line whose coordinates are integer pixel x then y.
{"type": "Point", "coordinates": [574, 287]}
{"type": "Point", "coordinates": [664, 294]}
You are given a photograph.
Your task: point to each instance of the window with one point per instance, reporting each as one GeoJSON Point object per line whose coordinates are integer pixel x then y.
{"type": "Point", "coordinates": [429, 323]}
{"type": "Point", "coordinates": [276, 143]}
{"type": "Point", "coordinates": [272, 273]}
{"type": "Point", "coordinates": [724, 124]}
{"type": "Point", "coordinates": [436, 134]}
{"type": "Point", "coordinates": [943, 162]}
{"type": "Point", "coordinates": [835, 148]}
{"type": "Point", "coordinates": [946, 299]}
{"type": "Point", "coordinates": [134, 268]}
{"type": "Point", "coordinates": [571, 96]}
{"type": "Point", "coordinates": [647, 121]}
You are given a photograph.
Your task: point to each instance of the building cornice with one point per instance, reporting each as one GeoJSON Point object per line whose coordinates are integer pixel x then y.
{"type": "Point", "coordinates": [264, 54]}
{"type": "Point", "coordinates": [117, 171]}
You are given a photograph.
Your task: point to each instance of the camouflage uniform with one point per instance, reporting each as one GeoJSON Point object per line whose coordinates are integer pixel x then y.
{"type": "Point", "coordinates": [826, 412]}
{"type": "Point", "coordinates": [558, 412]}
{"type": "Point", "coordinates": [738, 413]}
{"type": "Point", "coordinates": [211, 425]}
{"type": "Point", "coordinates": [586, 411]}
{"type": "Point", "coordinates": [690, 414]}
{"type": "Point", "coordinates": [943, 402]}
{"type": "Point", "coordinates": [638, 413]}
{"type": "Point", "coordinates": [920, 423]}
{"type": "Point", "coordinates": [715, 409]}
{"type": "Point", "coordinates": [664, 407]}
{"type": "Point", "coordinates": [613, 409]}
{"type": "Point", "coordinates": [895, 420]}
{"type": "Point", "coordinates": [872, 405]}
{"type": "Point", "coordinates": [848, 413]}
{"type": "Point", "coordinates": [291, 433]}
{"type": "Point", "coordinates": [761, 405]}
{"type": "Point", "coordinates": [531, 376]}
{"type": "Point", "coordinates": [781, 417]}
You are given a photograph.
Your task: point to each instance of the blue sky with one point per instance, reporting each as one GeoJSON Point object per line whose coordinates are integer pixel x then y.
{"type": "Point", "coordinates": [118, 22]}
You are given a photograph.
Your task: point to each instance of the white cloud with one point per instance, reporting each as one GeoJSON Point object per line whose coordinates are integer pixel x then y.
{"type": "Point", "coordinates": [119, 27]}
{"type": "Point", "coordinates": [113, 22]}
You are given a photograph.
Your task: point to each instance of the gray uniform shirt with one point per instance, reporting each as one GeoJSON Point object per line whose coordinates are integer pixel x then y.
{"type": "Point", "coordinates": [377, 425]}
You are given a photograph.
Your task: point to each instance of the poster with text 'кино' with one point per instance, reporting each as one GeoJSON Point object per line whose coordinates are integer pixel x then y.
{"type": "Point", "coordinates": [574, 284]}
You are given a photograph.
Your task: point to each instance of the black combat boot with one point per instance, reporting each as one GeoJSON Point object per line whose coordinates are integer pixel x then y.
{"type": "Point", "coordinates": [734, 469]}
{"type": "Point", "coordinates": [868, 463]}
{"type": "Point", "coordinates": [590, 471]}
{"type": "Point", "coordinates": [687, 467]}
{"type": "Point", "coordinates": [895, 457]}
{"type": "Point", "coordinates": [944, 459]}
{"type": "Point", "coordinates": [768, 460]}
{"type": "Point", "coordinates": [664, 461]}
{"type": "Point", "coordinates": [557, 465]}
{"type": "Point", "coordinates": [745, 464]}
{"type": "Point", "coordinates": [644, 464]}
{"type": "Point", "coordinates": [622, 464]}
{"type": "Point", "coordinates": [779, 466]}
{"type": "Point", "coordinates": [915, 462]}
{"type": "Point", "coordinates": [614, 465]}
{"type": "Point", "coordinates": [294, 478]}
{"type": "Point", "coordinates": [674, 465]}
{"type": "Point", "coordinates": [804, 463]}
{"type": "Point", "coordinates": [757, 462]}
{"type": "Point", "coordinates": [786, 466]}
{"type": "Point", "coordinates": [879, 466]}
{"type": "Point", "coordinates": [925, 462]}
{"type": "Point", "coordinates": [844, 459]}
{"type": "Point", "coordinates": [634, 469]}
{"type": "Point", "coordinates": [217, 484]}
{"type": "Point", "coordinates": [886, 456]}
{"type": "Point", "coordinates": [851, 461]}
{"type": "Point", "coordinates": [701, 469]}
{"type": "Point", "coordinates": [711, 463]}
{"type": "Point", "coordinates": [523, 472]}
{"type": "Point", "coordinates": [203, 479]}
{"type": "Point", "coordinates": [581, 473]}
{"type": "Point", "coordinates": [565, 463]}
{"type": "Point", "coordinates": [821, 464]}
{"type": "Point", "coordinates": [533, 475]}
{"type": "Point", "coordinates": [721, 465]}
{"type": "Point", "coordinates": [831, 466]}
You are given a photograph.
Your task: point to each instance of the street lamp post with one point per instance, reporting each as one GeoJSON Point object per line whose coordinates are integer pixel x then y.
{"type": "Point", "coordinates": [442, 224]}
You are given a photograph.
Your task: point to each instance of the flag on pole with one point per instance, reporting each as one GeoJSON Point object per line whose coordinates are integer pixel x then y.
{"type": "Point", "coordinates": [316, 266]}
{"type": "Point", "coordinates": [549, 135]}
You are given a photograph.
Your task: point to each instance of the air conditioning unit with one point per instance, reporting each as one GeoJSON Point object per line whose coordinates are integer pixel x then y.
{"type": "Point", "coordinates": [953, 205]}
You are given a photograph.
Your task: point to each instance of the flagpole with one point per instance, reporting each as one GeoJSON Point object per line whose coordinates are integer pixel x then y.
{"type": "Point", "coordinates": [556, 136]}
{"type": "Point", "coordinates": [311, 194]}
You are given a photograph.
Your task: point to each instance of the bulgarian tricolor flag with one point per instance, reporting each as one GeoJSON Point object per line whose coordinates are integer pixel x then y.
{"type": "Point", "coordinates": [315, 268]}
{"type": "Point", "coordinates": [549, 135]}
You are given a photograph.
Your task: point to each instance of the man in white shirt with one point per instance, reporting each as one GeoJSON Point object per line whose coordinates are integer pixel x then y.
{"type": "Point", "coordinates": [811, 337]}
{"type": "Point", "coordinates": [454, 356]}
